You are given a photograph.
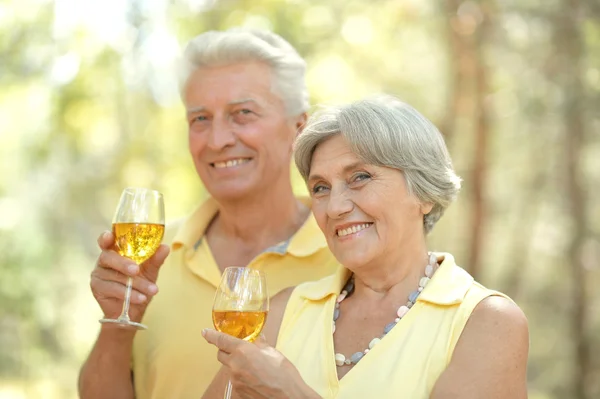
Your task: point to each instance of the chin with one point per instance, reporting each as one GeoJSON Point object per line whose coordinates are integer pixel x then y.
{"type": "Point", "coordinates": [352, 261]}
{"type": "Point", "coordinates": [230, 192]}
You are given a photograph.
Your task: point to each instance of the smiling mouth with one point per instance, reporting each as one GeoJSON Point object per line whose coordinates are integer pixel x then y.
{"type": "Point", "coordinates": [230, 164]}
{"type": "Point", "coordinates": [353, 229]}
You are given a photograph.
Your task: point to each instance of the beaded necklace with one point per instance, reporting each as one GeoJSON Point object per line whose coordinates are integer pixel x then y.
{"type": "Point", "coordinates": [340, 359]}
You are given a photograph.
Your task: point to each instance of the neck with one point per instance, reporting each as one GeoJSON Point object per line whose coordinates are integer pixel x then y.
{"type": "Point", "coordinates": [261, 220]}
{"type": "Point", "coordinates": [398, 275]}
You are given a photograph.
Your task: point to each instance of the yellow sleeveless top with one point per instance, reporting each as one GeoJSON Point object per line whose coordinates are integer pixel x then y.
{"type": "Point", "coordinates": [408, 360]}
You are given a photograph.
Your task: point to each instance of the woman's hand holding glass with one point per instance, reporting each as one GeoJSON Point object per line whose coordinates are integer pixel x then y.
{"type": "Point", "coordinates": [257, 370]}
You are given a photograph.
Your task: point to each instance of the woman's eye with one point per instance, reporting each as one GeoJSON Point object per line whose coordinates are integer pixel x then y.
{"type": "Point", "coordinates": [244, 111]}
{"type": "Point", "coordinates": [361, 176]}
{"type": "Point", "coordinates": [200, 118]}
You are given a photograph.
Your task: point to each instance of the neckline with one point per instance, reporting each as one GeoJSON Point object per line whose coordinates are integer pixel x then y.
{"type": "Point", "coordinates": [332, 367]}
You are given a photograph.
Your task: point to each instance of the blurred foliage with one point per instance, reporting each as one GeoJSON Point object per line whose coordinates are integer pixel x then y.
{"type": "Point", "coordinates": [89, 105]}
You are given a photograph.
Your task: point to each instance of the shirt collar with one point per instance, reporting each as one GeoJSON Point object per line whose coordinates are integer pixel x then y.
{"type": "Point", "coordinates": [195, 225]}
{"type": "Point", "coordinates": [306, 241]}
{"type": "Point", "coordinates": [448, 286]}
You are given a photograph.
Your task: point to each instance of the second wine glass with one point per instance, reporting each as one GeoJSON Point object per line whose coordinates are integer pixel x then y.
{"type": "Point", "coordinates": [241, 305]}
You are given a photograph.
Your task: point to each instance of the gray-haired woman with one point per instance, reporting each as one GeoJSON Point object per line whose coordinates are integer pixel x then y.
{"type": "Point", "coordinates": [396, 321]}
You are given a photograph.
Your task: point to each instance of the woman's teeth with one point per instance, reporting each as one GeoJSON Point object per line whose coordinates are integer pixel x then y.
{"type": "Point", "coordinates": [353, 229]}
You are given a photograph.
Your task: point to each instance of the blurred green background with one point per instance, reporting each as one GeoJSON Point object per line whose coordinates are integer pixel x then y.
{"type": "Point", "coordinates": [89, 105]}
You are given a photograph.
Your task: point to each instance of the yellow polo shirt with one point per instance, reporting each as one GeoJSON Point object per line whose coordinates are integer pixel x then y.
{"type": "Point", "coordinates": [171, 359]}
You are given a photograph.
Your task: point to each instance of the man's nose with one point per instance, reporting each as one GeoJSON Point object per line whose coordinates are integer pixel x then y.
{"type": "Point", "coordinates": [221, 136]}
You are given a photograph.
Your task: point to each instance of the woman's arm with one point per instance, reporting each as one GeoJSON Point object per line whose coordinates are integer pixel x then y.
{"type": "Point", "coordinates": [490, 358]}
{"type": "Point", "coordinates": [257, 370]}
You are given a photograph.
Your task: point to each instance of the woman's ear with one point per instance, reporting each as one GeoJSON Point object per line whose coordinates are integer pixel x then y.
{"type": "Point", "coordinates": [426, 208]}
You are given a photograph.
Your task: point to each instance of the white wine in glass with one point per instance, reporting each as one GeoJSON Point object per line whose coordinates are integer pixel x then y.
{"type": "Point", "coordinates": [138, 227]}
{"type": "Point", "coordinates": [241, 305]}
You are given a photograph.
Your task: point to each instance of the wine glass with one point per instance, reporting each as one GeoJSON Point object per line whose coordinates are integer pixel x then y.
{"type": "Point", "coordinates": [241, 305]}
{"type": "Point", "coordinates": [138, 227]}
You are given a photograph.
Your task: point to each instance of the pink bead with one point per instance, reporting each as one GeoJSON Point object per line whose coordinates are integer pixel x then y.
{"type": "Point", "coordinates": [341, 297]}
{"type": "Point", "coordinates": [402, 311]}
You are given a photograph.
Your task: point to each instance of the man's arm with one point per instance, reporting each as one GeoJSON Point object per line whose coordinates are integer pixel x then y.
{"type": "Point", "coordinates": [490, 358]}
{"type": "Point", "coordinates": [107, 372]}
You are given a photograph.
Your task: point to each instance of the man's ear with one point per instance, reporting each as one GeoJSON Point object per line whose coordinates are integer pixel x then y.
{"type": "Point", "coordinates": [301, 122]}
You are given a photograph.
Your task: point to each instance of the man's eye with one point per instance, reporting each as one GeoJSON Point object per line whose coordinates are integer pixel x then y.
{"type": "Point", "coordinates": [318, 188]}
{"type": "Point", "coordinates": [244, 111]}
{"type": "Point", "coordinates": [200, 118]}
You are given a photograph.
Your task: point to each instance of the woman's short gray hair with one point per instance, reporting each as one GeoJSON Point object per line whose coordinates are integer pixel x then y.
{"type": "Point", "coordinates": [216, 48]}
{"type": "Point", "coordinates": [385, 131]}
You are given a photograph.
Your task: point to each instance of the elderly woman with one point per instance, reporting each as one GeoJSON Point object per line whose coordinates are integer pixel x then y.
{"type": "Point", "coordinates": [396, 321]}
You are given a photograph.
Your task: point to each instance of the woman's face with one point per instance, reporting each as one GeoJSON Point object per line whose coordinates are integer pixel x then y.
{"type": "Point", "coordinates": [365, 211]}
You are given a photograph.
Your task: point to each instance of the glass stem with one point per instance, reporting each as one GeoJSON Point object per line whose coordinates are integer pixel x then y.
{"type": "Point", "coordinates": [125, 313]}
{"type": "Point", "coordinates": [228, 390]}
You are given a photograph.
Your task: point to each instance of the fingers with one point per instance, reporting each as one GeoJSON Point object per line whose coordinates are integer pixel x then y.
{"type": "Point", "coordinates": [261, 341]}
{"type": "Point", "coordinates": [140, 284]}
{"type": "Point", "coordinates": [109, 259]}
{"type": "Point", "coordinates": [224, 342]}
{"type": "Point", "coordinates": [111, 289]}
{"type": "Point", "coordinates": [151, 266]}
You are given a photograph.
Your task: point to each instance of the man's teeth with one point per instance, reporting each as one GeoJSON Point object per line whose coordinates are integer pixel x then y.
{"type": "Point", "coordinates": [231, 163]}
{"type": "Point", "coordinates": [353, 229]}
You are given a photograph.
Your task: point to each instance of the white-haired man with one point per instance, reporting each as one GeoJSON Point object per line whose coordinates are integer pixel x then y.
{"type": "Point", "coordinates": [246, 100]}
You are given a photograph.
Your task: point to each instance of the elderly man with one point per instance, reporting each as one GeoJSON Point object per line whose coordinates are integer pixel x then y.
{"type": "Point", "coordinates": [246, 100]}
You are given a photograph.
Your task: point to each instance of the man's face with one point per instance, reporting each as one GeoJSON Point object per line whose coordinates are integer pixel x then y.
{"type": "Point", "coordinates": [240, 137]}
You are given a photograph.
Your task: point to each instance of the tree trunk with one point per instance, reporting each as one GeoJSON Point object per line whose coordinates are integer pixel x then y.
{"type": "Point", "coordinates": [481, 139]}
{"type": "Point", "coordinates": [571, 51]}
{"type": "Point", "coordinates": [459, 66]}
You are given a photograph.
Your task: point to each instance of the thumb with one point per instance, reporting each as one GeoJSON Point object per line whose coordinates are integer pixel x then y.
{"type": "Point", "coordinates": [151, 267]}
{"type": "Point", "coordinates": [106, 240]}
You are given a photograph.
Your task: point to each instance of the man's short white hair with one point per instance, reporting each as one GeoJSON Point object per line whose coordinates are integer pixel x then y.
{"type": "Point", "coordinates": [385, 131]}
{"type": "Point", "coordinates": [217, 48]}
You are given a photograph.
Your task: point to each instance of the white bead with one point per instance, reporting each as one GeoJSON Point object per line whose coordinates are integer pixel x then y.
{"type": "Point", "coordinates": [433, 259]}
{"type": "Point", "coordinates": [396, 320]}
{"type": "Point", "coordinates": [333, 328]}
{"type": "Point", "coordinates": [420, 289]}
{"type": "Point", "coordinates": [423, 282]}
{"type": "Point", "coordinates": [339, 359]}
{"type": "Point", "coordinates": [429, 271]}
{"type": "Point", "coordinates": [373, 342]}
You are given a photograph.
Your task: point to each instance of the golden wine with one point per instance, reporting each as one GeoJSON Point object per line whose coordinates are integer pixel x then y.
{"type": "Point", "coordinates": [242, 325]}
{"type": "Point", "coordinates": [138, 241]}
